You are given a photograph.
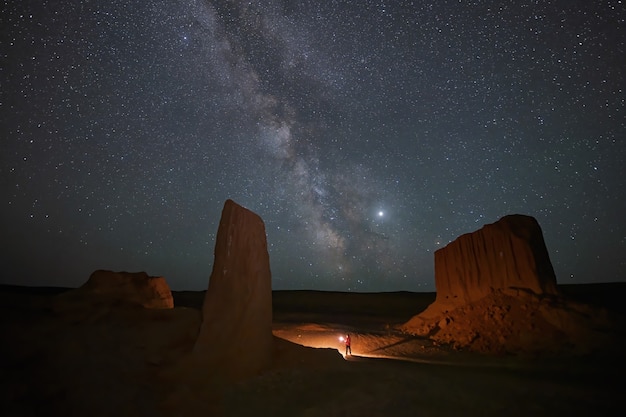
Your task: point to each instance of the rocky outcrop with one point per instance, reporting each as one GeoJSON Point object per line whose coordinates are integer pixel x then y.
{"type": "Point", "coordinates": [521, 322]}
{"type": "Point", "coordinates": [235, 337]}
{"type": "Point", "coordinates": [497, 293]}
{"type": "Point", "coordinates": [510, 253]}
{"type": "Point", "coordinates": [109, 288]}
{"type": "Point", "coordinates": [133, 287]}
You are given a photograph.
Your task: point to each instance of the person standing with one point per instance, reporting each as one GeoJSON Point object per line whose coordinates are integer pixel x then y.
{"type": "Point", "coordinates": [348, 347]}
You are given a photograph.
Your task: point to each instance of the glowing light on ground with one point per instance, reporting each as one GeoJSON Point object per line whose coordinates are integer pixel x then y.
{"type": "Point", "coordinates": [314, 336]}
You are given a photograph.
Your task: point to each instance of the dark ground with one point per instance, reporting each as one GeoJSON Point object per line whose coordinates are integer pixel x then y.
{"type": "Point", "coordinates": [109, 363]}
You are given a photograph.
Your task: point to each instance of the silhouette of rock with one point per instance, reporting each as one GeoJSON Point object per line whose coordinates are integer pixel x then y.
{"type": "Point", "coordinates": [510, 253]}
{"type": "Point", "coordinates": [235, 337]}
{"type": "Point", "coordinates": [107, 288]}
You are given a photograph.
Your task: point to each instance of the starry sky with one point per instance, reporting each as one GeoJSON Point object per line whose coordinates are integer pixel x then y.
{"type": "Point", "coordinates": [366, 134]}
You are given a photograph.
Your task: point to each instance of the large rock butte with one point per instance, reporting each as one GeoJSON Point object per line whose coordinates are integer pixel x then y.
{"type": "Point", "coordinates": [235, 338]}
{"type": "Point", "coordinates": [120, 288]}
{"type": "Point", "coordinates": [497, 293]}
{"type": "Point", "coordinates": [510, 253]}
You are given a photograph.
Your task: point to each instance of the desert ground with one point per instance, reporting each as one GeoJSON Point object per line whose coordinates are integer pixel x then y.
{"type": "Point", "coordinates": [122, 360]}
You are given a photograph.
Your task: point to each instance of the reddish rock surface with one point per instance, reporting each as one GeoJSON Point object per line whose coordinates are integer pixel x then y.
{"type": "Point", "coordinates": [519, 322]}
{"type": "Point", "coordinates": [497, 293]}
{"type": "Point", "coordinates": [120, 288]}
{"type": "Point", "coordinates": [235, 337]}
{"type": "Point", "coordinates": [510, 253]}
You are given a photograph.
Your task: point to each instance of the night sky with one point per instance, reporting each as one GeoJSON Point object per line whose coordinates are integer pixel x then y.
{"type": "Point", "coordinates": [366, 134]}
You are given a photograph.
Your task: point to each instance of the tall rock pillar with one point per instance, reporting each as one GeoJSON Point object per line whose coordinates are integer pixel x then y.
{"type": "Point", "coordinates": [236, 332]}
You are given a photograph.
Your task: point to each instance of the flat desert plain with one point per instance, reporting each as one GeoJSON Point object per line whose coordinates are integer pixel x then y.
{"type": "Point", "coordinates": [104, 360]}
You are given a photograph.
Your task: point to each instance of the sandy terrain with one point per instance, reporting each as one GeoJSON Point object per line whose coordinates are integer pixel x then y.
{"type": "Point", "coordinates": [118, 360]}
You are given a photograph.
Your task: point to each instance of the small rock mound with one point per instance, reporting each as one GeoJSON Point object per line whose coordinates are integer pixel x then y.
{"type": "Point", "coordinates": [119, 289]}
{"type": "Point", "coordinates": [519, 322]}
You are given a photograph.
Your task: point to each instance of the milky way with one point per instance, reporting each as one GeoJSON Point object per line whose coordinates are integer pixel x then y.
{"type": "Point", "coordinates": [366, 134]}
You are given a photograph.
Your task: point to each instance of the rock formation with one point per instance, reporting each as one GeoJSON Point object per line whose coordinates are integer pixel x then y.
{"type": "Point", "coordinates": [119, 288]}
{"type": "Point", "coordinates": [235, 337]}
{"type": "Point", "coordinates": [509, 253]}
{"type": "Point", "coordinates": [497, 292]}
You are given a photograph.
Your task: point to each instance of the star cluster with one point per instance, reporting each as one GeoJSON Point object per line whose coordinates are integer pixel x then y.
{"type": "Point", "coordinates": [366, 134]}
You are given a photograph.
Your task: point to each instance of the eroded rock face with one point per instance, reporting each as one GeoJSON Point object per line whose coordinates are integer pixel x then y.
{"type": "Point", "coordinates": [138, 287]}
{"type": "Point", "coordinates": [510, 253]}
{"type": "Point", "coordinates": [121, 288]}
{"type": "Point", "coordinates": [497, 293]}
{"type": "Point", "coordinates": [236, 333]}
